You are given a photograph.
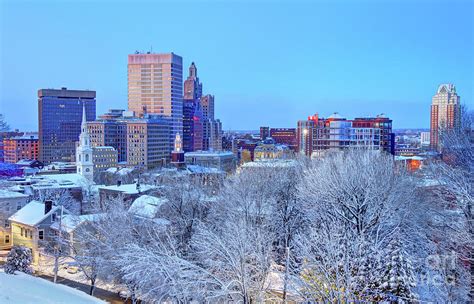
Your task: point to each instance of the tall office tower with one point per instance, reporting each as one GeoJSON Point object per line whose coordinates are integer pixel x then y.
{"type": "Point", "coordinates": [212, 128]}
{"type": "Point", "coordinates": [445, 113]}
{"type": "Point", "coordinates": [192, 86]}
{"type": "Point", "coordinates": [207, 104]}
{"type": "Point", "coordinates": [192, 113]}
{"type": "Point", "coordinates": [155, 86]}
{"type": "Point", "coordinates": [59, 119]}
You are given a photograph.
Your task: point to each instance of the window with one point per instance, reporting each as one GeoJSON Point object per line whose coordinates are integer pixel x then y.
{"type": "Point", "coordinates": [22, 232]}
{"type": "Point", "coordinates": [18, 207]}
{"type": "Point", "coordinates": [31, 234]}
{"type": "Point", "coordinates": [41, 234]}
{"type": "Point", "coordinates": [7, 238]}
{"type": "Point", "coordinates": [53, 217]}
{"type": "Point", "coordinates": [7, 224]}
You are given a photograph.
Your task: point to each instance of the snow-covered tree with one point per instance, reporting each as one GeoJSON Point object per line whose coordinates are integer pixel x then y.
{"type": "Point", "coordinates": [19, 259]}
{"type": "Point", "coordinates": [354, 201]}
{"type": "Point", "coordinates": [398, 278]}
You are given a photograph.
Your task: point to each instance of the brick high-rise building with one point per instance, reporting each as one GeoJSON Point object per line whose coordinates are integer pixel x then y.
{"type": "Point", "coordinates": [445, 113]}
{"type": "Point", "coordinates": [155, 86]}
{"type": "Point", "coordinates": [59, 118]}
{"type": "Point", "coordinates": [21, 147]}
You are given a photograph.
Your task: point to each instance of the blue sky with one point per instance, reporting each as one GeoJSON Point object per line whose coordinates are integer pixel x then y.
{"type": "Point", "coordinates": [267, 62]}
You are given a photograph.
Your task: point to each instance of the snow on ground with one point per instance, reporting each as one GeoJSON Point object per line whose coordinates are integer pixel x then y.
{"type": "Point", "coordinates": [26, 289]}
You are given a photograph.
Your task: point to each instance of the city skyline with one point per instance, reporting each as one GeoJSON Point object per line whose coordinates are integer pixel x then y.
{"type": "Point", "coordinates": [361, 67]}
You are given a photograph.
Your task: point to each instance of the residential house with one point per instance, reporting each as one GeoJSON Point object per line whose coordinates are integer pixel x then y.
{"type": "Point", "coordinates": [31, 225]}
{"type": "Point", "coordinates": [10, 202]}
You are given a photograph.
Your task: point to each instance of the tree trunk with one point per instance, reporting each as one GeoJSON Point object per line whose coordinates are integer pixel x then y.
{"type": "Point", "coordinates": [91, 291]}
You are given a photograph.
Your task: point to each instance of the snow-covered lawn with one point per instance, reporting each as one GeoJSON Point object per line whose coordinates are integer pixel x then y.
{"type": "Point", "coordinates": [25, 289]}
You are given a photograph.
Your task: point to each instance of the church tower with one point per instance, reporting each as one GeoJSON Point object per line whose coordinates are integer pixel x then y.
{"type": "Point", "coordinates": [84, 164]}
{"type": "Point", "coordinates": [177, 156]}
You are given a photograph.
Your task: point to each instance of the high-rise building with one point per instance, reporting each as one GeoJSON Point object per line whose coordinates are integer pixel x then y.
{"type": "Point", "coordinates": [192, 86]}
{"type": "Point", "coordinates": [59, 118]}
{"type": "Point", "coordinates": [155, 86]}
{"type": "Point", "coordinates": [192, 112]}
{"type": "Point", "coordinates": [20, 147]}
{"type": "Point", "coordinates": [207, 104]}
{"type": "Point", "coordinates": [84, 161]}
{"type": "Point", "coordinates": [317, 135]}
{"type": "Point", "coordinates": [142, 142]}
{"type": "Point", "coordinates": [148, 143]}
{"type": "Point", "coordinates": [110, 130]}
{"type": "Point", "coordinates": [445, 113]}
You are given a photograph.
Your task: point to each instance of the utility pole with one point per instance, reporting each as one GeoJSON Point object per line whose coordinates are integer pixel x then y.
{"type": "Point", "coordinates": [285, 283]}
{"type": "Point", "coordinates": [57, 249]}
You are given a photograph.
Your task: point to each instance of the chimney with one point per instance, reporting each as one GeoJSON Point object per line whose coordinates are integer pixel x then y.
{"type": "Point", "coordinates": [119, 183]}
{"type": "Point", "coordinates": [48, 205]}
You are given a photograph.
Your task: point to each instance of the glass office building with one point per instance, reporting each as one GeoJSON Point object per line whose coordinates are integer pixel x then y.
{"type": "Point", "coordinates": [59, 119]}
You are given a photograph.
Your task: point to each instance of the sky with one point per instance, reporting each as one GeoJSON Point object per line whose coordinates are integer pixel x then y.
{"type": "Point", "coordinates": [268, 63]}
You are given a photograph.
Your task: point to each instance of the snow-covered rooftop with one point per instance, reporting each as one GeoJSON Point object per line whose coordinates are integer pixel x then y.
{"type": "Point", "coordinates": [70, 222]}
{"type": "Point", "coordinates": [147, 206]}
{"type": "Point", "coordinates": [209, 153]}
{"type": "Point", "coordinates": [270, 163]}
{"type": "Point", "coordinates": [11, 194]}
{"type": "Point", "coordinates": [74, 178]}
{"type": "Point", "coordinates": [31, 214]}
{"type": "Point", "coordinates": [24, 288]}
{"type": "Point", "coordinates": [127, 188]}
{"type": "Point", "coordinates": [204, 170]}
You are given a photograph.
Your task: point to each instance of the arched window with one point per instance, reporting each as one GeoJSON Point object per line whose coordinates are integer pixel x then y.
{"type": "Point", "coordinates": [79, 157]}
{"type": "Point", "coordinates": [87, 157]}
{"type": "Point", "coordinates": [79, 169]}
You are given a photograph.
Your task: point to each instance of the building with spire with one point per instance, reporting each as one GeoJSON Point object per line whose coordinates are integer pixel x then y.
{"type": "Point", "coordinates": [177, 156]}
{"type": "Point", "coordinates": [84, 162]}
{"type": "Point", "coordinates": [445, 113]}
{"type": "Point", "coordinates": [192, 112]}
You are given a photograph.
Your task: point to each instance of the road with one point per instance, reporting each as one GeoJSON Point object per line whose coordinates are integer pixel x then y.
{"type": "Point", "coordinates": [100, 293]}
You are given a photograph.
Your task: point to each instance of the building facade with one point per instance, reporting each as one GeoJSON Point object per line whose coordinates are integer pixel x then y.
{"type": "Point", "coordinates": [317, 135]}
{"type": "Point", "coordinates": [21, 147]}
{"type": "Point", "coordinates": [104, 158]}
{"type": "Point", "coordinates": [445, 113]}
{"type": "Point", "coordinates": [155, 86]}
{"type": "Point", "coordinates": [284, 136]}
{"type": "Point", "coordinates": [224, 161]}
{"type": "Point", "coordinates": [192, 112]}
{"type": "Point", "coordinates": [142, 142]}
{"type": "Point", "coordinates": [59, 118]}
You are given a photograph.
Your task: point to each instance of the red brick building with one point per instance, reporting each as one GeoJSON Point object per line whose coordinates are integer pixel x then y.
{"type": "Point", "coordinates": [20, 147]}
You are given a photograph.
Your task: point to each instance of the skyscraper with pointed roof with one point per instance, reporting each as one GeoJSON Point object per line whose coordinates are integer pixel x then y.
{"type": "Point", "coordinates": [445, 113]}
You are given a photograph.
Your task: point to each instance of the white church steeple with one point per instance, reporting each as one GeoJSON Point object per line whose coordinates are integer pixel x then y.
{"type": "Point", "coordinates": [84, 163]}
